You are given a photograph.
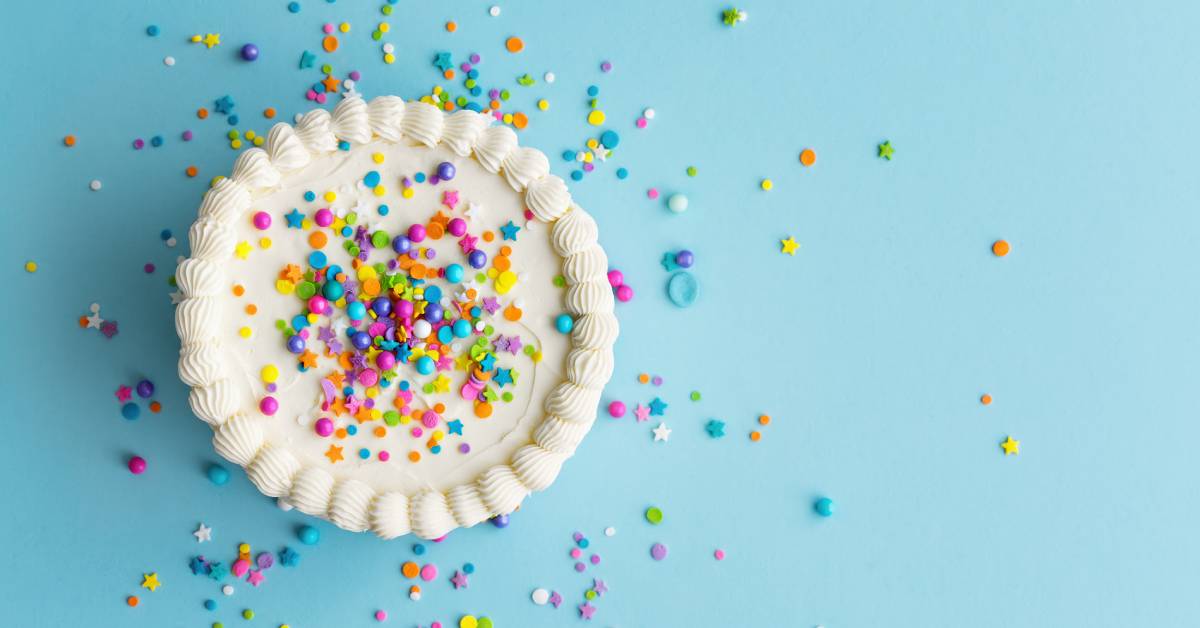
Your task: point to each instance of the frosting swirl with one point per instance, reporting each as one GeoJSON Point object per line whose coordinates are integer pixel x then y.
{"type": "Point", "coordinates": [430, 515]}
{"type": "Point", "coordinates": [253, 170]}
{"type": "Point", "coordinates": [547, 198]}
{"type": "Point", "coordinates": [224, 202]}
{"type": "Point", "coordinates": [285, 149]}
{"type": "Point", "coordinates": [494, 146]}
{"type": "Point", "coordinates": [467, 505]}
{"type": "Point", "coordinates": [462, 131]}
{"type": "Point", "coordinates": [349, 508]}
{"type": "Point", "coordinates": [423, 122]}
{"type": "Point", "coordinates": [386, 116]}
{"type": "Point", "coordinates": [313, 131]}
{"type": "Point", "coordinates": [311, 491]}
{"type": "Point", "coordinates": [389, 515]}
{"type": "Point", "coordinates": [272, 471]}
{"type": "Point", "coordinates": [213, 403]}
{"type": "Point", "coordinates": [351, 122]}
{"type": "Point", "coordinates": [239, 439]}
{"type": "Point", "coordinates": [574, 232]}
{"type": "Point", "coordinates": [524, 165]}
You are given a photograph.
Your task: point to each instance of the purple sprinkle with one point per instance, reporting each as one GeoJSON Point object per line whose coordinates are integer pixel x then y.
{"type": "Point", "coordinates": [149, 268]}
{"type": "Point", "coordinates": [657, 381]}
{"type": "Point", "coordinates": [466, 67]}
{"type": "Point", "coordinates": [430, 254]}
{"type": "Point", "coordinates": [578, 536]}
{"type": "Point", "coordinates": [355, 75]}
{"type": "Point", "coordinates": [138, 144]}
{"type": "Point", "coordinates": [580, 566]}
{"type": "Point", "coordinates": [187, 136]}
{"type": "Point", "coordinates": [605, 66]}
{"type": "Point", "coordinates": [493, 93]}
{"type": "Point", "coordinates": [270, 388]}
{"type": "Point", "coordinates": [475, 58]}
{"type": "Point", "coordinates": [464, 448]}
{"type": "Point", "coordinates": [587, 167]}
{"type": "Point", "coordinates": [595, 559]}
{"type": "Point", "coordinates": [658, 551]}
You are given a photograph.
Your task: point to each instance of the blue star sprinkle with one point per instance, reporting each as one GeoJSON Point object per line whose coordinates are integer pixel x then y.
{"type": "Point", "coordinates": [510, 231]}
{"type": "Point", "coordinates": [657, 407]}
{"type": "Point", "coordinates": [224, 104]}
{"type": "Point", "coordinates": [455, 427]}
{"type": "Point", "coordinates": [715, 428]}
{"type": "Point", "coordinates": [443, 62]}
{"type": "Point", "coordinates": [295, 219]}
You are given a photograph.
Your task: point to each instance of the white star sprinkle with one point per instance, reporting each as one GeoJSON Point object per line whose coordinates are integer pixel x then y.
{"type": "Point", "coordinates": [662, 432]}
{"type": "Point", "coordinates": [203, 533]}
{"type": "Point", "coordinates": [474, 210]}
{"type": "Point", "coordinates": [176, 297]}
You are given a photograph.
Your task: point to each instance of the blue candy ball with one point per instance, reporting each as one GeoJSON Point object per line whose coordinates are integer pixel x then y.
{"type": "Point", "coordinates": [564, 324]}
{"type": "Point", "coordinates": [401, 244]}
{"type": "Point", "coordinates": [308, 535]}
{"type": "Point", "coordinates": [454, 273]}
{"type": "Point", "coordinates": [295, 343]}
{"type": "Point", "coordinates": [434, 313]}
{"type": "Point", "coordinates": [210, 605]}
{"type": "Point", "coordinates": [500, 521]}
{"type": "Point", "coordinates": [249, 52]}
{"type": "Point", "coordinates": [361, 340]}
{"type": "Point", "coordinates": [333, 290]}
{"type": "Point", "coordinates": [131, 411]}
{"type": "Point", "coordinates": [218, 475]}
{"type": "Point", "coordinates": [294, 7]}
{"type": "Point", "coordinates": [462, 328]}
{"type": "Point", "coordinates": [685, 259]}
{"type": "Point", "coordinates": [477, 259]}
{"type": "Point", "coordinates": [381, 306]}
{"type": "Point", "coordinates": [433, 294]}
{"type": "Point", "coordinates": [445, 335]}
{"type": "Point", "coordinates": [825, 507]}
{"type": "Point", "coordinates": [446, 171]}
{"type": "Point", "coordinates": [356, 310]}
{"type": "Point", "coordinates": [426, 365]}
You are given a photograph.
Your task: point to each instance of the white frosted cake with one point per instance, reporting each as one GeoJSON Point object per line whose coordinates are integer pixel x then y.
{"type": "Point", "coordinates": [395, 318]}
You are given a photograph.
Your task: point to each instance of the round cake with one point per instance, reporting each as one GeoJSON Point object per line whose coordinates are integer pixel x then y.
{"type": "Point", "coordinates": [395, 318]}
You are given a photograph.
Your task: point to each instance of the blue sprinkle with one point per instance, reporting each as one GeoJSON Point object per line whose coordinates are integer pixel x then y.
{"type": "Point", "coordinates": [166, 234]}
{"type": "Point", "coordinates": [419, 177]}
{"type": "Point", "coordinates": [233, 120]}
{"type": "Point", "coordinates": [364, 453]}
{"type": "Point", "coordinates": [343, 145]}
{"type": "Point", "coordinates": [475, 91]}
{"type": "Point", "coordinates": [468, 569]}
{"type": "Point", "coordinates": [156, 141]}
{"type": "Point", "coordinates": [583, 543]}
{"type": "Point", "coordinates": [383, 210]}
{"type": "Point", "coordinates": [352, 429]}
{"type": "Point", "coordinates": [593, 91]}
{"type": "Point", "coordinates": [419, 549]}
{"type": "Point", "coordinates": [473, 73]}
{"type": "Point", "coordinates": [568, 155]}
{"type": "Point", "coordinates": [622, 173]}
{"type": "Point", "coordinates": [131, 411]}
{"type": "Point", "coordinates": [436, 449]}
{"type": "Point", "coordinates": [576, 175]}
{"type": "Point", "coordinates": [218, 475]}
{"type": "Point", "coordinates": [610, 139]}
{"type": "Point", "coordinates": [372, 179]}
{"type": "Point", "coordinates": [210, 605]}
{"type": "Point", "coordinates": [152, 30]}
{"type": "Point", "coordinates": [294, 7]}
{"type": "Point", "coordinates": [310, 196]}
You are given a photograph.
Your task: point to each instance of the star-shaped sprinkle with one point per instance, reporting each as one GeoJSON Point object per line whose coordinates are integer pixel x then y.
{"type": "Point", "coordinates": [599, 587]}
{"type": "Point", "coordinates": [488, 362]}
{"type": "Point", "coordinates": [197, 565]}
{"type": "Point", "coordinates": [500, 344]}
{"type": "Point", "coordinates": [176, 297]}
{"type": "Point", "coordinates": [454, 427]}
{"type": "Point", "coordinates": [886, 150]}
{"type": "Point", "coordinates": [657, 407]}
{"type": "Point", "coordinates": [94, 321]}
{"type": "Point", "coordinates": [450, 199]}
{"type": "Point", "coordinates": [467, 243]}
{"type": "Point", "coordinates": [330, 83]}
{"type": "Point", "coordinates": [586, 610]}
{"type": "Point", "coordinates": [443, 61]}
{"type": "Point", "coordinates": [307, 59]}
{"type": "Point", "coordinates": [124, 393]}
{"type": "Point", "coordinates": [555, 599]}
{"type": "Point", "coordinates": [217, 571]}
{"type": "Point", "coordinates": [334, 453]}
{"type": "Point", "coordinates": [662, 432]}
{"type": "Point", "coordinates": [150, 581]}
{"type": "Point", "coordinates": [715, 428]}
{"type": "Point", "coordinates": [295, 219]}
{"type": "Point", "coordinates": [641, 413]}
{"type": "Point", "coordinates": [668, 261]}
{"type": "Point", "coordinates": [211, 39]}
{"type": "Point", "coordinates": [732, 16]}
{"type": "Point", "coordinates": [224, 104]}
{"type": "Point", "coordinates": [459, 579]}
{"type": "Point", "coordinates": [203, 533]}
{"type": "Point", "coordinates": [1011, 447]}
{"type": "Point", "coordinates": [288, 557]}
{"type": "Point", "coordinates": [242, 250]}
{"type": "Point", "coordinates": [109, 328]}
{"type": "Point", "coordinates": [503, 376]}
{"type": "Point", "coordinates": [308, 359]}
{"type": "Point", "coordinates": [255, 577]}
{"type": "Point", "coordinates": [790, 245]}
{"type": "Point", "coordinates": [509, 231]}
{"type": "Point", "coordinates": [474, 210]}
{"type": "Point", "coordinates": [491, 304]}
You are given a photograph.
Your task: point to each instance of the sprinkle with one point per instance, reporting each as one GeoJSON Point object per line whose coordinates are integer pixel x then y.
{"type": "Point", "coordinates": [886, 150]}
{"type": "Point", "coordinates": [31, 266]}
{"type": "Point", "coordinates": [654, 515]}
{"type": "Point", "coordinates": [662, 433]}
{"type": "Point", "coordinates": [825, 507]}
{"type": "Point", "coordinates": [1000, 248]}
{"type": "Point", "coordinates": [1011, 447]}
{"type": "Point", "coordinates": [95, 185]}
{"type": "Point", "coordinates": [132, 600]}
{"type": "Point", "coordinates": [168, 61]}
{"type": "Point", "coordinates": [548, 77]}
{"type": "Point", "coordinates": [658, 551]}
{"type": "Point", "coordinates": [719, 554]}
{"type": "Point", "coordinates": [808, 157]}
{"type": "Point", "coordinates": [69, 140]}
{"type": "Point", "coordinates": [514, 44]}
{"type": "Point", "coordinates": [494, 12]}
{"type": "Point", "coordinates": [986, 399]}
{"type": "Point", "coordinates": [766, 184]}
{"type": "Point", "coordinates": [789, 246]}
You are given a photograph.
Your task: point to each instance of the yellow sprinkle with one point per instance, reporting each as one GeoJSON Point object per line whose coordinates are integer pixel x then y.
{"type": "Point", "coordinates": [312, 318]}
{"type": "Point", "coordinates": [389, 58]}
{"type": "Point", "coordinates": [588, 158]}
{"type": "Point", "coordinates": [344, 27]}
{"type": "Point", "coordinates": [258, 141]}
{"type": "Point", "coordinates": [244, 332]}
{"type": "Point", "coordinates": [536, 357]}
{"type": "Point", "coordinates": [438, 435]}
{"type": "Point", "coordinates": [407, 193]}
{"type": "Point", "coordinates": [373, 392]}
{"type": "Point", "coordinates": [437, 89]}
{"type": "Point", "coordinates": [377, 158]}
{"type": "Point", "coordinates": [543, 104]}
{"type": "Point", "coordinates": [767, 184]}
{"type": "Point", "coordinates": [249, 135]}
{"type": "Point", "coordinates": [270, 373]}
{"type": "Point", "coordinates": [307, 223]}
{"type": "Point", "coordinates": [507, 118]}
{"type": "Point", "coordinates": [235, 144]}
{"type": "Point", "coordinates": [379, 190]}
{"type": "Point", "coordinates": [244, 548]}
{"type": "Point", "coordinates": [330, 196]}
{"type": "Point", "coordinates": [264, 243]}
{"type": "Point", "coordinates": [196, 39]}
{"type": "Point", "coordinates": [596, 117]}
{"type": "Point", "coordinates": [384, 27]}
{"type": "Point", "coordinates": [31, 267]}
{"type": "Point", "coordinates": [283, 286]}
{"type": "Point", "coordinates": [242, 250]}
{"type": "Point", "coordinates": [492, 272]}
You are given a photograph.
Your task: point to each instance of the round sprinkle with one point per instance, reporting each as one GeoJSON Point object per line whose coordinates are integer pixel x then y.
{"type": "Point", "coordinates": [1000, 248]}
{"type": "Point", "coordinates": [429, 572]}
{"type": "Point", "coordinates": [677, 203]}
{"type": "Point", "coordinates": [658, 551]}
{"type": "Point", "coordinates": [227, 589]}
{"type": "Point", "coordinates": [248, 614]}
{"type": "Point", "coordinates": [616, 409]}
{"type": "Point", "coordinates": [95, 185]}
{"type": "Point", "coordinates": [132, 600]}
{"type": "Point", "coordinates": [152, 30]}
{"type": "Point", "coordinates": [31, 266]}
{"type": "Point", "coordinates": [808, 157]}
{"type": "Point", "coordinates": [309, 535]}
{"type": "Point", "coordinates": [451, 26]}
{"type": "Point", "coordinates": [764, 419]}
{"type": "Point", "coordinates": [548, 77]}
{"type": "Point", "coordinates": [381, 615]}
{"type": "Point", "coordinates": [168, 61]}
{"type": "Point", "coordinates": [766, 184]}
{"type": "Point", "coordinates": [218, 475]}
{"type": "Point", "coordinates": [648, 114]}
{"type": "Point", "coordinates": [825, 507]}
{"type": "Point", "coordinates": [494, 11]}
{"type": "Point", "coordinates": [683, 289]}
{"type": "Point", "coordinates": [540, 597]}
{"type": "Point", "coordinates": [719, 554]}
{"type": "Point", "coordinates": [69, 140]}
{"type": "Point", "coordinates": [610, 531]}
{"type": "Point", "coordinates": [249, 52]}
{"type": "Point", "coordinates": [514, 44]}
{"type": "Point", "coordinates": [605, 66]}
{"type": "Point", "coordinates": [294, 7]}
{"type": "Point", "coordinates": [654, 515]}
{"type": "Point", "coordinates": [986, 399]}
{"type": "Point", "coordinates": [755, 436]}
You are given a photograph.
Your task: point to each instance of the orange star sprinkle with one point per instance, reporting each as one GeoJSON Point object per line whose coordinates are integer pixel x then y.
{"type": "Point", "coordinates": [308, 359]}
{"type": "Point", "coordinates": [334, 453]}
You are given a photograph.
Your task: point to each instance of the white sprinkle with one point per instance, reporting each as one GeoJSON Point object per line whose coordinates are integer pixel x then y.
{"type": "Point", "coordinates": [609, 531]}
{"type": "Point", "coordinates": [95, 185]}
{"type": "Point", "coordinates": [414, 596]}
{"type": "Point", "coordinates": [296, 118]}
{"type": "Point", "coordinates": [540, 597]}
{"type": "Point", "coordinates": [283, 505]}
{"type": "Point", "coordinates": [227, 589]}
{"type": "Point", "coordinates": [548, 77]}
{"type": "Point", "coordinates": [494, 11]}
{"type": "Point", "coordinates": [168, 61]}
{"type": "Point", "coordinates": [648, 114]}
{"type": "Point", "coordinates": [348, 83]}
{"type": "Point", "coordinates": [389, 47]}
{"type": "Point", "coordinates": [171, 242]}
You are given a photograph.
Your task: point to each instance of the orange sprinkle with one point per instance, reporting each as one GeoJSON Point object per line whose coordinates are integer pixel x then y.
{"type": "Point", "coordinates": [414, 456]}
{"type": "Point", "coordinates": [371, 287]}
{"type": "Point", "coordinates": [202, 113]}
{"type": "Point", "coordinates": [410, 569]}
{"type": "Point", "coordinates": [514, 44]}
{"type": "Point", "coordinates": [417, 271]}
{"type": "Point", "coordinates": [69, 140]}
{"type": "Point", "coordinates": [238, 290]}
{"type": "Point", "coordinates": [448, 105]}
{"type": "Point", "coordinates": [330, 43]}
{"type": "Point", "coordinates": [501, 263]}
{"type": "Point", "coordinates": [439, 407]}
{"type": "Point", "coordinates": [252, 309]}
{"type": "Point", "coordinates": [448, 74]}
{"type": "Point", "coordinates": [764, 419]}
{"type": "Point", "coordinates": [192, 171]}
{"type": "Point", "coordinates": [520, 120]}
{"type": "Point", "coordinates": [340, 433]}
{"type": "Point", "coordinates": [644, 378]}
{"type": "Point", "coordinates": [380, 431]}
{"type": "Point", "coordinates": [506, 250]}
{"type": "Point", "coordinates": [483, 409]}
{"type": "Point", "coordinates": [986, 399]}
{"type": "Point", "coordinates": [318, 239]}
{"type": "Point", "coordinates": [808, 157]}
{"type": "Point", "coordinates": [451, 27]}
{"type": "Point", "coordinates": [494, 105]}
{"type": "Point", "coordinates": [132, 600]}
{"type": "Point", "coordinates": [435, 231]}
{"type": "Point", "coordinates": [269, 113]}
{"type": "Point", "coordinates": [155, 407]}
{"type": "Point", "coordinates": [754, 436]}
{"type": "Point", "coordinates": [488, 236]}
{"type": "Point", "coordinates": [1000, 248]}
{"type": "Point", "coordinates": [512, 313]}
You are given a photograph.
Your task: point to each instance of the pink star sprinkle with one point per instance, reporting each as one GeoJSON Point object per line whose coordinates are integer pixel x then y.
{"type": "Point", "coordinates": [641, 413]}
{"type": "Point", "coordinates": [124, 393]}
{"type": "Point", "coordinates": [459, 580]}
{"type": "Point", "coordinates": [255, 578]}
{"type": "Point", "coordinates": [450, 198]}
{"type": "Point", "coordinates": [586, 610]}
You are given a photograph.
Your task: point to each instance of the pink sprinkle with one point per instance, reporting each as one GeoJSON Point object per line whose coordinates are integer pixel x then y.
{"type": "Point", "coordinates": [624, 293]}
{"type": "Point", "coordinates": [380, 615]}
{"type": "Point", "coordinates": [384, 456]}
{"type": "Point", "coordinates": [138, 144]}
{"type": "Point", "coordinates": [605, 66]}
{"type": "Point", "coordinates": [328, 29]}
{"type": "Point", "coordinates": [429, 572]}
{"type": "Point", "coordinates": [595, 559]}
{"type": "Point", "coordinates": [719, 554]}
{"type": "Point", "coordinates": [149, 268]}
{"type": "Point", "coordinates": [187, 136]}
{"type": "Point", "coordinates": [321, 98]}
{"type": "Point", "coordinates": [475, 58]}
{"type": "Point", "coordinates": [652, 193]}
{"type": "Point", "coordinates": [642, 122]}
{"type": "Point", "coordinates": [576, 552]}
{"type": "Point", "coordinates": [310, 94]}
{"type": "Point", "coordinates": [137, 465]}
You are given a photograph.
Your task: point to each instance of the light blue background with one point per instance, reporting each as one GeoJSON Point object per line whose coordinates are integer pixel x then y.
{"type": "Point", "coordinates": [1068, 128]}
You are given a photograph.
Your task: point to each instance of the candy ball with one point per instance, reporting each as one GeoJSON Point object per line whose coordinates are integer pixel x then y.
{"type": "Point", "coordinates": [462, 328]}
{"type": "Point", "coordinates": [356, 311]}
{"type": "Point", "coordinates": [295, 344]}
{"type": "Point", "coordinates": [323, 427]}
{"type": "Point", "coordinates": [361, 340]}
{"type": "Point", "coordinates": [249, 52]}
{"type": "Point", "coordinates": [422, 328]}
{"type": "Point", "coordinates": [616, 409]}
{"type": "Point", "coordinates": [624, 293]}
{"type": "Point", "coordinates": [677, 203]}
{"type": "Point", "coordinates": [381, 615]}
{"type": "Point", "coordinates": [145, 388]}
{"type": "Point", "coordinates": [477, 259]}
{"type": "Point", "coordinates": [563, 323]}
{"type": "Point", "coordinates": [616, 278]}
{"type": "Point", "coordinates": [401, 244]}
{"type": "Point", "coordinates": [368, 377]}
{"type": "Point", "coordinates": [323, 217]}
{"type": "Point", "coordinates": [218, 475]}
{"type": "Point", "coordinates": [825, 507]}
{"type": "Point", "coordinates": [685, 259]}
{"type": "Point", "coordinates": [333, 290]}
{"type": "Point", "coordinates": [317, 304]}
{"type": "Point", "coordinates": [404, 309]}
{"type": "Point", "coordinates": [446, 171]}
{"type": "Point", "coordinates": [457, 227]}
{"type": "Point", "coordinates": [433, 313]}
{"type": "Point", "coordinates": [454, 272]}
{"type": "Point", "coordinates": [269, 405]}
{"type": "Point", "coordinates": [500, 521]}
{"type": "Point", "coordinates": [262, 221]}
{"type": "Point", "coordinates": [386, 360]}
{"type": "Point", "coordinates": [308, 535]}
{"type": "Point", "coordinates": [137, 465]}
{"type": "Point", "coordinates": [425, 365]}
{"type": "Point", "coordinates": [416, 233]}
{"type": "Point", "coordinates": [381, 306]}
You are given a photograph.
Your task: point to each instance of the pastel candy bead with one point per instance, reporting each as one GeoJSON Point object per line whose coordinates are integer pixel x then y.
{"type": "Point", "coordinates": [683, 289]}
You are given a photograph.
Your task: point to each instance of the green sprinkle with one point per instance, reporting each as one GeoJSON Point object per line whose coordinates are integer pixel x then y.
{"type": "Point", "coordinates": [654, 515]}
{"type": "Point", "coordinates": [691, 171]}
{"type": "Point", "coordinates": [695, 395]}
{"type": "Point", "coordinates": [559, 281]}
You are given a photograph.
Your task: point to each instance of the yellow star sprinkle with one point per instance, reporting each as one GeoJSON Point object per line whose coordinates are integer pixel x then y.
{"type": "Point", "coordinates": [790, 245]}
{"type": "Point", "coordinates": [441, 383]}
{"type": "Point", "coordinates": [150, 581]}
{"type": "Point", "coordinates": [1011, 447]}
{"type": "Point", "coordinates": [242, 250]}
{"type": "Point", "coordinates": [212, 39]}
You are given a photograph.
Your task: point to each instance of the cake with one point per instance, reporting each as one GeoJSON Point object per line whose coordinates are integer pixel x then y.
{"type": "Point", "coordinates": [395, 318]}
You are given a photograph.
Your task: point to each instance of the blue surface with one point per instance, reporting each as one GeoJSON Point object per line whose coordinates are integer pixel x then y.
{"type": "Point", "coordinates": [1066, 129]}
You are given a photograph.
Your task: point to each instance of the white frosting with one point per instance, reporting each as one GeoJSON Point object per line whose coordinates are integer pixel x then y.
{"type": "Point", "coordinates": [514, 452]}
